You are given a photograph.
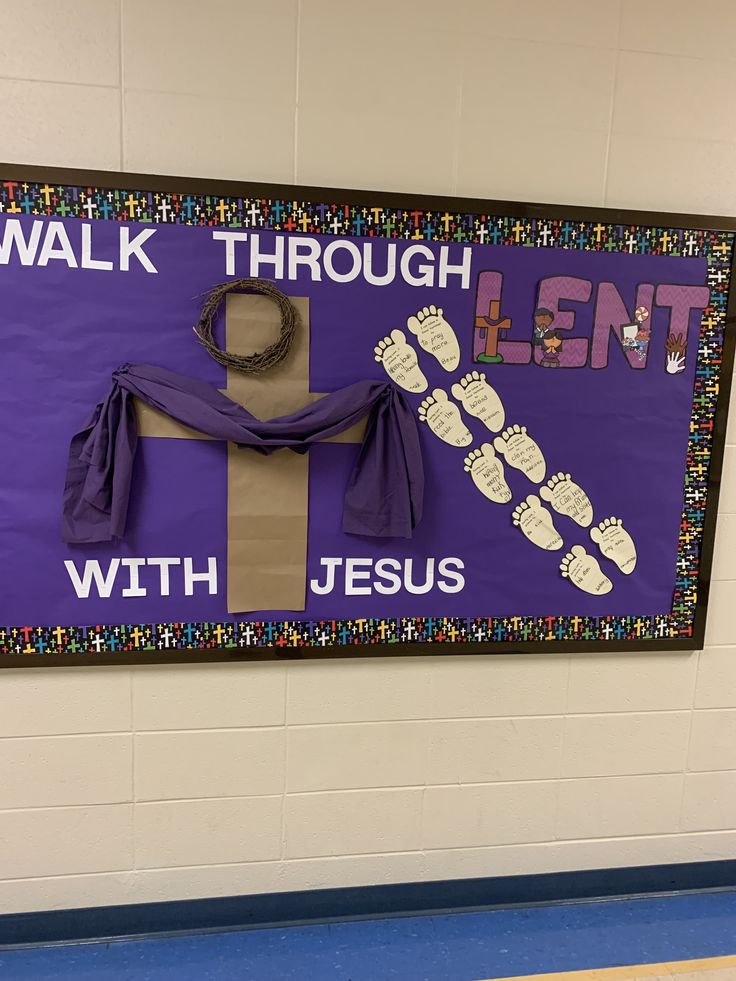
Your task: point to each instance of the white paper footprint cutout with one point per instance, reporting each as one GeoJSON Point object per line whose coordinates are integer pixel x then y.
{"type": "Point", "coordinates": [536, 524]}
{"type": "Point", "coordinates": [486, 472]}
{"type": "Point", "coordinates": [480, 400]}
{"type": "Point", "coordinates": [401, 362]}
{"type": "Point", "coordinates": [584, 572]}
{"type": "Point", "coordinates": [436, 336]}
{"type": "Point", "coordinates": [444, 419]}
{"type": "Point", "coordinates": [521, 452]}
{"type": "Point", "coordinates": [567, 497]}
{"type": "Point", "coordinates": [615, 543]}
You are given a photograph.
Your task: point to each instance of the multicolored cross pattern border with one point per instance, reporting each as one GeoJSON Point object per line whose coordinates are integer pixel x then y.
{"type": "Point", "coordinates": [88, 203]}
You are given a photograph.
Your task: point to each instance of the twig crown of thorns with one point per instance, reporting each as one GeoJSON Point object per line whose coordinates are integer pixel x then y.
{"type": "Point", "coordinates": [259, 360]}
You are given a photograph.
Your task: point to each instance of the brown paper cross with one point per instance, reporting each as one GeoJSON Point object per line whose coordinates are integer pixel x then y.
{"type": "Point", "coordinates": [267, 496]}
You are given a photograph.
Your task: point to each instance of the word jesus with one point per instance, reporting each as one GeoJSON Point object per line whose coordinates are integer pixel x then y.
{"type": "Point", "coordinates": [362, 577]}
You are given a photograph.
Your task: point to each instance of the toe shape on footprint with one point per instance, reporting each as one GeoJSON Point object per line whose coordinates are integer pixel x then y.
{"type": "Point", "coordinates": [480, 400]}
{"type": "Point", "coordinates": [583, 571]}
{"type": "Point", "coordinates": [444, 419]}
{"type": "Point", "coordinates": [436, 336]}
{"type": "Point", "coordinates": [521, 452]}
{"type": "Point", "coordinates": [568, 498]}
{"type": "Point", "coordinates": [536, 524]}
{"type": "Point", "coordinates": [486, 472]}
{"type": "Point", "coordinates": [400, 362]}
{"type": "Point", "coordinates": [615, 543]}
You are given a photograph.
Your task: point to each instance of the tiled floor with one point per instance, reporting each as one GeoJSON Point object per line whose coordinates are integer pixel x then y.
{"type": "Point", "coordinates": [704, 969]}
{"type": "Point", "coordinates": [584, 937]}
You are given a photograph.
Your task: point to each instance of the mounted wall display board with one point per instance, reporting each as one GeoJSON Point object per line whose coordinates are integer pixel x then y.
{"type": "Point", "coordinates": [515, 417]}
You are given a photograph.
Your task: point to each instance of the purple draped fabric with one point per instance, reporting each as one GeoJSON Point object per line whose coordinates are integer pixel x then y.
{"type": "Point", "coordinates": [384, 495]}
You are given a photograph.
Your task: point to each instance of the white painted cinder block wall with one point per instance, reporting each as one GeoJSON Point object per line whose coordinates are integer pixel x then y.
{"type": "Point", "coordinates": [120, 785]}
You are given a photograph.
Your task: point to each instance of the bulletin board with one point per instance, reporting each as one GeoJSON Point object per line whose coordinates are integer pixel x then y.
{"type": "Point", "coordinates": [562, 373]}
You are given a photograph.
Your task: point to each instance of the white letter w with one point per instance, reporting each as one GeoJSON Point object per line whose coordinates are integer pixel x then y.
{"type": "Point", "coordinates": [92, 571]}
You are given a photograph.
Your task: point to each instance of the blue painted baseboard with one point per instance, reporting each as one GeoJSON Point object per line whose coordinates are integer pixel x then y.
{"type": "Point", "coordinates": [319, 905]}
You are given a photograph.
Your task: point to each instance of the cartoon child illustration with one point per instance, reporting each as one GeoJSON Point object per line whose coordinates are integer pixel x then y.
{"type": "Point", "coordinates": [643, 333]}
{"type": "Point", "coordinates": [542, 322]}
{"type": "Point", "coordinates": [636, 335]}
{"type": "Point", "coordinates": [552, 345]}
{"type": "Point", "coordinates": [642, 342]}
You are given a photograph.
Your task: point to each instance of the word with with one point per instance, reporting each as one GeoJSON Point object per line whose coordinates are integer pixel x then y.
{"type": "Point", "coordinates": [104, 583]}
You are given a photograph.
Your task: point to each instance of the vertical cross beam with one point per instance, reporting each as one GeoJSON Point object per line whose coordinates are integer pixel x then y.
{"type": "Point", "coordinates": [487, 325]}
{"type": "Point", "coordinates": [267, 506]}
{"type": "Point", "coordinates": [267, 496]}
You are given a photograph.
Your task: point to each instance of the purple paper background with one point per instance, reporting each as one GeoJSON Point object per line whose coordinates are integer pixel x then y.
{"type": "Point", "coordinates": [621, 433]}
